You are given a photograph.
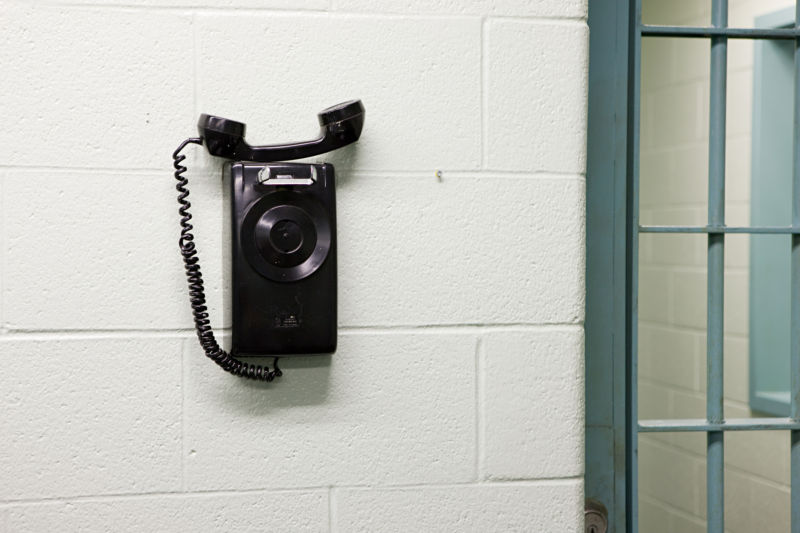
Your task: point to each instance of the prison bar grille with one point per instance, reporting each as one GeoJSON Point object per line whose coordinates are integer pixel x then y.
{"type": "Point", "coordinates": [714, 425]}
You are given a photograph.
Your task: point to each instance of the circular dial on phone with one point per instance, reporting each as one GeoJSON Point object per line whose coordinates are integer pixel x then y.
{"type": "Point", "coordinates": [286, 236]}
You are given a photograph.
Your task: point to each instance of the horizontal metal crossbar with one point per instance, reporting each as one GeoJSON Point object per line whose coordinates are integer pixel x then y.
{"type": "Point", "coordinates": [733, 424]}
{"type": "Point", "coordinates": [733, 33]}
{"type": "Point", "coordinates": [775, 230]}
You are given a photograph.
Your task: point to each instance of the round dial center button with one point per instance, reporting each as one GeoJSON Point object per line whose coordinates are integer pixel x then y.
{"type": "Point", "coordinates": [286, 236]}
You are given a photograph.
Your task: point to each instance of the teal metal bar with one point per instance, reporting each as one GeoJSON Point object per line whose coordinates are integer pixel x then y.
{"type": "Point", "coordinates": [794, 338]}
{"type": "Point", "coordinates": [715, 466]}
{"type": "Point", "coordinates": [733, 424]}
{"type": "Point", "coordinates": [771, 230]}
{"type": "Point", "coordinates": [632, 267]}
{"type": "Point", "coordinates": [731, 33]}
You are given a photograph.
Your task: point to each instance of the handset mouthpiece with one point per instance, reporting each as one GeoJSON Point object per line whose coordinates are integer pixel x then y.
{"type": "Point", "coordinates": [221, 135]}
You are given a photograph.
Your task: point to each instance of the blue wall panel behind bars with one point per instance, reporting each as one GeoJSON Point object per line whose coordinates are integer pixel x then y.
{"type": "Point", "coordinates": [613, 194]}
{"type": "Point", "coordinates": [771, 188]}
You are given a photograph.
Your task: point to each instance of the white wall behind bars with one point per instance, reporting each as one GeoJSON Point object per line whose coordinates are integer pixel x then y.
{"type": "Point", "coordinates": [455, 400]}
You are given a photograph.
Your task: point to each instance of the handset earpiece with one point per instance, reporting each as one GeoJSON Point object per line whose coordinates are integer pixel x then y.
{"type": "Point", "coordinates": [342, 121]}
{"type": "Point", "coordinates": [340, 125]}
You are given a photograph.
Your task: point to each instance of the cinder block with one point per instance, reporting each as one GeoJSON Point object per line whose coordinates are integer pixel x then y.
{"type": "Point", "coordinates": [737, 300]}
{"type": "Point", "coordinates": [737, 251]}
{"type": "Point", "coordinates": [385, 409]}
{"type": "Point", "coordinates": [738, 167]}
{"type": "Point", "coordinates": [668, 356]}
{"type": "Point", "coordinates": [89, 417]}
{"type": "Point", "coordinates": [3, 250]}
{"type": "Point", "coordinates": [411, 251]}
{"type": "Point", "coordinates": [463, 250]}
{"type": "Point", "coordinates": [688, 296]}
{"type": "Point", "coordinates": [773, 503]}
{"type": "Point", "coordinates": [655, 292]}
{"type": "Point", "coordinates": [195, 513]}
{"type": "Point", "coordinates": [740, 97]}
{"type": "Point", "coordinates": [676, 250]}
{"type": "Point", "coordinates": [691, 442]}
{"type": "Point", "coordinates": [689, 162]}
{"type": "Point", "coordinates": [653, 516]}
{"type": "Point", "coordinates": [691, 60]}
{"type": "Point", "coordinates": [738, 214]}
{"type": "Point", "coordinates": [419, 79]}
{"type": "Point", "coordinates": [536, 87]}
{"type": "Point", "coordinates": [690, 523]}
{"type": "Point", "coordinates": [736, 369]}
{"type": "Point", "coordinates": [658, 60]}
{"type": "Point", "coordinates": [740, 514]}
{"type": "Point", "coordinates": [675, 115]}
{"type": "Point", "coordinates": [518, 8]}
{"type": "Point", "coordinates": [655, 178]}
{"type": "Point", "coordinates": [533, 402]}
{"type": "Point", "coordinates": [84, 87]}
{"type": "Point", "coordinates": [98, 251]}
{"type": "Point", "coordinates": [545, 507]}
{"type": "Point", "coordinates": [685, 404]}
{"type": "Point", "coordinates": [679, 12]}
{"type": "Point", "coordinates": [760, 453]}
{"type": "Point", "coordinates": [218, 4]}
{"type": "Point", "coordinates": [680, 216]}
{"type": "Point", "coordinates": [669, 475]}
{"type": "Point", "coordinates": [653, 399]}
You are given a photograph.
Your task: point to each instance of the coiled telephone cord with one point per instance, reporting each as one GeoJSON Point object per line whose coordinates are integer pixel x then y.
{"type": "Point", "coordinates": [197, 293]}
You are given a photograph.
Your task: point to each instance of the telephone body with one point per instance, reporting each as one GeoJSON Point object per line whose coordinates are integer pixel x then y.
{"type": "Point", "coordinates": [281, 218]}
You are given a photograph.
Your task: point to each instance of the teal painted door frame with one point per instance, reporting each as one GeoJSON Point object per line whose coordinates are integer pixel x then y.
{"type": "Point", "coordinates": [607, 260]}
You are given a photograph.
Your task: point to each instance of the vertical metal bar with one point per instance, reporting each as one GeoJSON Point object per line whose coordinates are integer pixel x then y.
{"type": "Point", "coordinates": [715, 468]}
{"type": "Point", "coordinates": [632, 312]}
{"type": "Point", "coordinates": [794, 342]}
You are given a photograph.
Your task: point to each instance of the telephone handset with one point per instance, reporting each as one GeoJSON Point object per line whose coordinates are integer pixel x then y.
{"type": "Point", "coordinates": [282, 219]}
{"type": "Point", "coordinates": [340, 125]}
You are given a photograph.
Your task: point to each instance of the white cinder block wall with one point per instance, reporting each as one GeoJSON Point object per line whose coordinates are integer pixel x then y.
{"type": "Point", "coordinates": [455, 400]}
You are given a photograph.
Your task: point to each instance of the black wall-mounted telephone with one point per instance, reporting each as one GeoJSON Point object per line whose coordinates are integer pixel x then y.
{"type": "Point", "coordinates": [282, 219]}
